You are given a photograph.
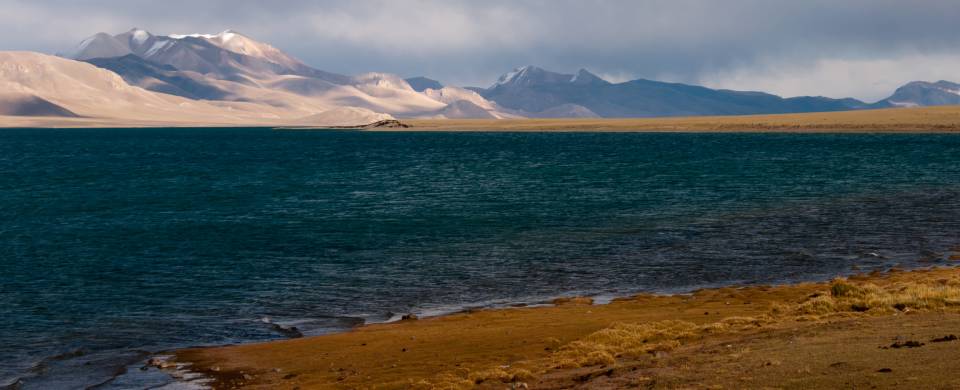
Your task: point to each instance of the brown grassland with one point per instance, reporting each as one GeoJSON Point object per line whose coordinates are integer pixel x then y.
{"type": "Point", "coordinates": [927, 119]}
{"type": "Point", "coordinates": [882, 330]}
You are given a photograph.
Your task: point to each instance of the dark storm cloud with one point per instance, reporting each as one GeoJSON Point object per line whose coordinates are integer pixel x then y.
{"type": "Point", "coordinates": [776, 45]}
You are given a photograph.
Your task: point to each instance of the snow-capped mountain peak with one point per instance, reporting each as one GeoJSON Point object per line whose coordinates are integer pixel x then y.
{"type": "Point", "coordinates": [238, 43]}
{"type": "Point", "coordinates": [220, 39]}
{"type": "Point", "coordinates": [531, 75]}
{"type": "Point", "coordinates": [169, 49]}
{"type": "Point", "coordinates": [139, 36]}
{"type": "Point", "coordinates": [516, 75]}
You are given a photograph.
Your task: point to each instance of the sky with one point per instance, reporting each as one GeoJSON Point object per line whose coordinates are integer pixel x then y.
{"type": "Point", "coordinates": [836, 48]}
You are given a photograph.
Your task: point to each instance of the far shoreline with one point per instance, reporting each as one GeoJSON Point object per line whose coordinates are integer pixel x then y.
{"type": "Point", "coordinates": [943, 119]}
{"type": "Point", "coordinates": [932, 120]}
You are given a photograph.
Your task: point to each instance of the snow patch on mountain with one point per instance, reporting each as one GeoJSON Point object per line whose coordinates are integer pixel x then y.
{"type": "Point", "coordinates": [195, 35]}
{"type": "Point", "coordinates": [139, 36]}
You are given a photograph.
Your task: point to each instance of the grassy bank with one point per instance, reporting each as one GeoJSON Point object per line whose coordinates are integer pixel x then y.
{"type": "Point", "coordinates": [742, 337]}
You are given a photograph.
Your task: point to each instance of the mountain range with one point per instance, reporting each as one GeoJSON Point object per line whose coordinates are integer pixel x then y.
{"type": "Point", "coordinates": [535, 90]}
{"type": "Point", "coordinates": [229, 78]}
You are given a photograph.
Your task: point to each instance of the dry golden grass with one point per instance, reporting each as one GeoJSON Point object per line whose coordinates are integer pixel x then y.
{"type": "Point", "coordinates": [846, 297]}
{"type": "Point", "coordinates": [635, 340]}
{"type": "Point", "coordinates": [623, 340]}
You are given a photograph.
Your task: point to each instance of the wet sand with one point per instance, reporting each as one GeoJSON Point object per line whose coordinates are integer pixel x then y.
{"type": "Point", "coordinates": [870, 330]}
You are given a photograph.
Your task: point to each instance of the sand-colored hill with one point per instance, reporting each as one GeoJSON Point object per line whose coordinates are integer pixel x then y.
{"type": "Point", "coordinates": [464, 103]}
{"type": "Point", "coordinates": [42, 90]}
{"type": "Point", "coordinates": [27, 104]}
{"type": "Point", "coordinates": [89, 91]}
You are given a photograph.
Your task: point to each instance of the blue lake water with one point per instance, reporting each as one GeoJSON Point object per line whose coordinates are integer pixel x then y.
{"type": "Point", "coordinates": [115, 243]}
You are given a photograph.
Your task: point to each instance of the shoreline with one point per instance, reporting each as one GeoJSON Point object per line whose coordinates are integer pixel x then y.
{"type": "Point", "coordinates": [476, 338]}
{"type": "Point", "coordinates": [935, 119]}
{"type": "Point", "coordinates": [604, 298]}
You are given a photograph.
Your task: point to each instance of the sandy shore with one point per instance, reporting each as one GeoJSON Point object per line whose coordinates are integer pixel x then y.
{"type": "Point", "coordinates": [80, 123]}
{"type": "Point", "coordinates": [883, 329]}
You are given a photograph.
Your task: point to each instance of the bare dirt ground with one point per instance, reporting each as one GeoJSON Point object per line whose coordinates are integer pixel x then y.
{"type": "Point", "coordinates": [854, 353]}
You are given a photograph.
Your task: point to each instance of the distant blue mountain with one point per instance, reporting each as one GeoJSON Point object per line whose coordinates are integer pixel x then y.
{"type": "Point", "coordinates": [922, 94]}
{"type": "Point", "coordinates": [534, 90]}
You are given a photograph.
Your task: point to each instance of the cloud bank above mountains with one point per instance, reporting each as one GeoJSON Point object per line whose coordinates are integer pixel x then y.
{"type": "Point", "coordinates": [856, 48]}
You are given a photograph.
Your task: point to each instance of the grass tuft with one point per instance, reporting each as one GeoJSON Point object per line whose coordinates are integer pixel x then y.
{"type": "Point", "coordinates": [846, 297]}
